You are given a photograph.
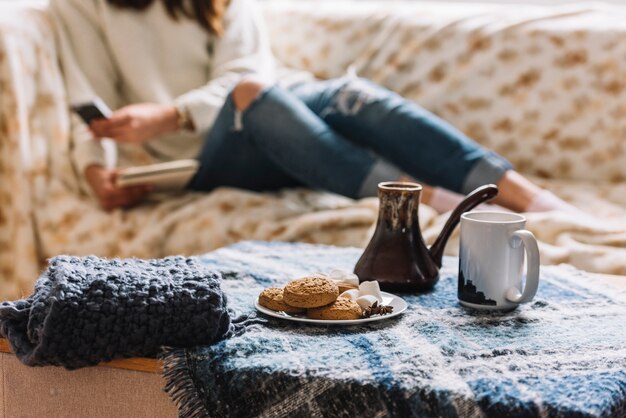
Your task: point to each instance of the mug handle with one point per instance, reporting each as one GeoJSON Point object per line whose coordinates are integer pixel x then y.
{"type": "Point", "coordinates": [532, 269]}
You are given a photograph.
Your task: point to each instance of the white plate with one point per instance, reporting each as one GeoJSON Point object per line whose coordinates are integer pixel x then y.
{"type": "Point", "coordinates": [399, 306]}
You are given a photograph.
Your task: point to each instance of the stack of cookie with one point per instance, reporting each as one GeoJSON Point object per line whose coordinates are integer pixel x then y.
{"type": "Point", "coordinates": [316, 295]}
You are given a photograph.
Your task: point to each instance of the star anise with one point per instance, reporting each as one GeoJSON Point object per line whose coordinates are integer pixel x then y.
{"type": "Point", "coordinates": [377, 310]}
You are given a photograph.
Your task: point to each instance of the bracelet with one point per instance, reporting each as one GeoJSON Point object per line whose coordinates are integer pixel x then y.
{"type": "Point", "coordinates": [184, 120]}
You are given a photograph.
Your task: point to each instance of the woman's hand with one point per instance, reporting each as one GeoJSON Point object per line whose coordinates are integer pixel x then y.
{"type": "Point", "coordinates": [102, 182]}
{"type": "Point", "coordinates": [137, 123]}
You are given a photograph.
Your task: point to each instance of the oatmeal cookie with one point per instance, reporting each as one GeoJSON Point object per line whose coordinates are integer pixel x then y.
{"type": "Point", "coordinates": [310, 292]}
{"type": "Point", "coordinates": [272, 298]}
{"type": "Point", "coordinates": [343, 308]}
{"type": "Point", "coordinates": [343, 286]}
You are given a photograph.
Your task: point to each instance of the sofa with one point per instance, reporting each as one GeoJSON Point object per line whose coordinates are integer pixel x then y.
{"type": "Point", "coordinates": [545, 87]}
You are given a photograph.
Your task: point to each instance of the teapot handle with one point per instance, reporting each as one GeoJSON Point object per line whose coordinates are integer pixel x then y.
{"type": "Point", "coordinates": [475, 198]}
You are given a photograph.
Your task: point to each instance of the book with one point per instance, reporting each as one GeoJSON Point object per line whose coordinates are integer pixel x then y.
{"type": "Point", "coordinates": [170, 176]}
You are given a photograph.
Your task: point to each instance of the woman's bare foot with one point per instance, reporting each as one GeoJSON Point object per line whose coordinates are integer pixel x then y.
{"type": "Point", "coordinates": [516, 193]}
{"type": "Point", "coordinates": [444, 201]}
{"type": "Point", "coordinates": [521, 195]}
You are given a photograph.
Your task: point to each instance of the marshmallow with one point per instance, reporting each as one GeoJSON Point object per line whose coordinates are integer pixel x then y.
{"type": "Point", "coordinates": [366, 301]}
{"type": "Point", "coordinates": [366, 294]}
{"type": "Point", "coordinates": [371, 288]}
{"type": "Point", "coordinates": [344, 277]}
{"type": "Point", "coordinates": [351, 294]}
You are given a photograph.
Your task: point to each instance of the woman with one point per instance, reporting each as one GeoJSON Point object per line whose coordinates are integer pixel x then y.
{"type": "Point", "coordinates": [197, 79]}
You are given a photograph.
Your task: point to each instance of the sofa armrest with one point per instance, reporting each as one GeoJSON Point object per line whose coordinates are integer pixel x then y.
{"type": "Point", "coordinates": [33, 129]}
{"type": "Point", "coordinates": [543, 86]}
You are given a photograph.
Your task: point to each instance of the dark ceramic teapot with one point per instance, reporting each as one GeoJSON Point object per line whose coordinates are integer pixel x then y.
{"type": "Point", "coordinates": [397, 256]}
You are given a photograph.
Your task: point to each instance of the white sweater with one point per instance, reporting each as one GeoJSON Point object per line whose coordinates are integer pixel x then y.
{"type": "Point", "coordinates": [124, 56]}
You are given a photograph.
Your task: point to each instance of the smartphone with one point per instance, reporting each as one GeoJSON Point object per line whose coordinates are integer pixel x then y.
{"type": "Point", "coordinates": [90, 111]}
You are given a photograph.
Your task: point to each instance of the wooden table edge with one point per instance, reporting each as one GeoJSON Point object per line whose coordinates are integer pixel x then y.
{"type": "Point", "coordinates": [138, 364]}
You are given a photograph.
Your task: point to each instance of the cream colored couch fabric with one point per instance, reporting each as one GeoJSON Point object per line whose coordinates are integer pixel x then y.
{"type": "Point", "coordinates": [531, 83]}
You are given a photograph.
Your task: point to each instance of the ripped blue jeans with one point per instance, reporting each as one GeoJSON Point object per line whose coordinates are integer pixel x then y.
{"type": "Point", "coordinates": [343, 135]}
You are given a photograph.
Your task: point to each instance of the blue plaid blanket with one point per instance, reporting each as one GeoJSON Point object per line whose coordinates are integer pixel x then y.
{"type": "Point", "coordinates": [562, 355]}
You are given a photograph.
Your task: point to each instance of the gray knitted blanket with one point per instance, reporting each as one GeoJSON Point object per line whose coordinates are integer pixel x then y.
{"type": "Point", "coordinates": [86, 310]}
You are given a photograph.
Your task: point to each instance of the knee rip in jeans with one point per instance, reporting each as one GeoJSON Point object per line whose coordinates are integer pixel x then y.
{"type": "Point", "coordinates": [238, 113]}
{"type": "Point", "coordinates": [352, 96]}
{"type": "Point", "coordinates": [238, 121]}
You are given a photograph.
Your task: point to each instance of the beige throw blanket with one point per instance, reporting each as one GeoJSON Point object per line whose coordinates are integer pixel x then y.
{"type": "Point", "coordinates": [192, 224]}
{"type": "Point", "coordinates": [596, 243]}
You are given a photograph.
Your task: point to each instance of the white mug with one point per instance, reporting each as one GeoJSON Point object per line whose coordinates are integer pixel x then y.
{"type": "Point", "coordinates": [491, 261]}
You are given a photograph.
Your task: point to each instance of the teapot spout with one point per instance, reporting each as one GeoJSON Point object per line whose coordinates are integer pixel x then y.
{"type": "Point", "coordinates": [475, 198]}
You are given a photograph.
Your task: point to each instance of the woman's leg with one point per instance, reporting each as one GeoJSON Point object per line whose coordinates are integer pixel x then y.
{"type": "Point", "coordinates": [265, 138]}
{"type": "Point", "coordinates": [228, 158]}
{"type": "Point", "coordinates": [421, 144]}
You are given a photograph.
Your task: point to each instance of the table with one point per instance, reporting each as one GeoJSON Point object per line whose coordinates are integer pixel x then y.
{"type": "Point", "coordinates": [561, 355]}
{"type": "Point", "coordinates": [59, 390]}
